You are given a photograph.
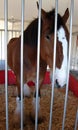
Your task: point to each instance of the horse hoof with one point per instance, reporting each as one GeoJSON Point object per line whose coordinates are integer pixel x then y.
{"type": "Point", "coordinates": [17, 121]}
{"type": "Point", "coordinates": [57, 84]}
{"type": "Point", "coordinates": [32, 118]}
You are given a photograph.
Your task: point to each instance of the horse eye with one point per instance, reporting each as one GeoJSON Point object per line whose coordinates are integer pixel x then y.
{"type": "Point", "coordinates": [48, 37]}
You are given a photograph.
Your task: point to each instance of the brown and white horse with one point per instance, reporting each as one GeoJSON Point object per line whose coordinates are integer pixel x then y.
{"type": "Point", "coordinates": [46, 53]}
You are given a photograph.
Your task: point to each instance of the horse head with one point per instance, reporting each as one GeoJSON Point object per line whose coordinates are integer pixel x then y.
{"type": "Point", "coordinates": [47, 42]}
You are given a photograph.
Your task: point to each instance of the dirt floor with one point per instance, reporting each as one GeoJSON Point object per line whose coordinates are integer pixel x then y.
{"type": "Point", "coordinates": [58, 107]}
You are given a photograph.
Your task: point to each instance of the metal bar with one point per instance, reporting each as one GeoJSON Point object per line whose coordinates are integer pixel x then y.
{"type": "Point", "coordinates": [54, 62]}
{"type": "Point", "coordinates": [68, 68]}
{"type": "Point", "coordinates": [6, 74]}
{"type": "Point", "coordinates": [22, 29]}
{"type": "Point", "coordinates": [75, 33]}
{"type": "Point", "coordinates": [10, 30]}
{"type": "Point", "coordinates": [76, 121]}
{"type": "Point", "coordinates": [38, 63]}
{"type": "Point", "coordinates": [1, 46]}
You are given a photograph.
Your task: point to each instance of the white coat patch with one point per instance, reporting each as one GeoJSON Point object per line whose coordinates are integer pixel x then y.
{"type": "Point", "coordinates": [27, 91]}
{"type": "Point", "coordinates": [18, 108]}
{"type": "Point", "coordinates": [34, 104]}
{"type": "Point", "coordinates": [60, 74]}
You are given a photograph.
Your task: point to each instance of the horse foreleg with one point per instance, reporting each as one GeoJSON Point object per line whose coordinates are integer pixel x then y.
{"type": "Point", "coordinates": [17, 114]}
{"type": "Point", "coordinates": [38, 101]}
{"type": "Point", "coordinates": [38, 107]}
{"type": "Point", "coordinates": [27, 90]}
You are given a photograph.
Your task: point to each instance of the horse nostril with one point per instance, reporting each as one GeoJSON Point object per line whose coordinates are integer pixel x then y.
{"type": "Point", "coordinates": [57, 84]}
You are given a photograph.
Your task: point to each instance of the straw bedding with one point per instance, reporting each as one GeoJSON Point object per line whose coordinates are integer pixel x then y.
{"type": "Point", "coordinates": [58, 107]}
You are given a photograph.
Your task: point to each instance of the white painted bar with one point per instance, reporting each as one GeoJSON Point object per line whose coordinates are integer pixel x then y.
{"type": "Point", "coordinates": [6, 75]}
{"type": "Point", "coordinates": [68, 68]}
{"type": "Point", "coordinates": [54, 62]}
{"type": "Point", "coordinates": [38, 63]}
{"type": "Point", "coordinates": [22, 29]}
{"type": "Point", "coordinates": [76, 121]}
{"type": "Point", "coordinates": [1, 46]}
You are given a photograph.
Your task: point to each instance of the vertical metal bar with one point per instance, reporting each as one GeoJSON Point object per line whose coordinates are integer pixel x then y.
{"type": "Point", "coordinates": [68, 68]}
{"type": "Point", "coordinates": [76, 121]}
{"type": "Point", "coordinates": [22, 29]}
{"type": "Point", "coordinates": [1, 46]}
{"type": "Point", "coordinates": [38, 63]}
{"type": "Point", "coordinates": [12, 26]}
{"type": "Point", "coordinates": [54, 62]}
{"type": "Point", "coordinates": [6, 74]}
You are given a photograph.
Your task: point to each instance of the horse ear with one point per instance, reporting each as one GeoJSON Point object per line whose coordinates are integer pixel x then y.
{"type": "Point", "coordinates": [37, 5]}
{"type": "Point", "coordinates": [66, 15]}
{"type": "Point", "coordinates": [43, 13]}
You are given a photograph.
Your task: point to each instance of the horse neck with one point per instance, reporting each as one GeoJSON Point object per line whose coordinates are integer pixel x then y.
{"type": "Point", "coordinates": [30, 53]}
{"type": "Point", "coordinates": [62, 38]}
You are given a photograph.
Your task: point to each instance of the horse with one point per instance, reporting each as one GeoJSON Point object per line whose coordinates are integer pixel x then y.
{"type": "Point", "coordinates": [46, 55]}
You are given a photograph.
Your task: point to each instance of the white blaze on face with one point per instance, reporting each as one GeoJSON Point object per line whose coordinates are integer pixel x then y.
{"type": "Point", "coordinates": [60, 74]}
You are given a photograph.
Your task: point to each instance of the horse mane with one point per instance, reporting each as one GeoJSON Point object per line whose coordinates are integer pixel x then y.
{"type": "Point", "coordinates": [60, 21]}
{"type": "Point", "coordinates": [31, 32]}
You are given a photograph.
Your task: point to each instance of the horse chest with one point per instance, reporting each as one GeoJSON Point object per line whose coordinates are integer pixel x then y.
{"type": "Point", "coordinates": [31, 76]}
